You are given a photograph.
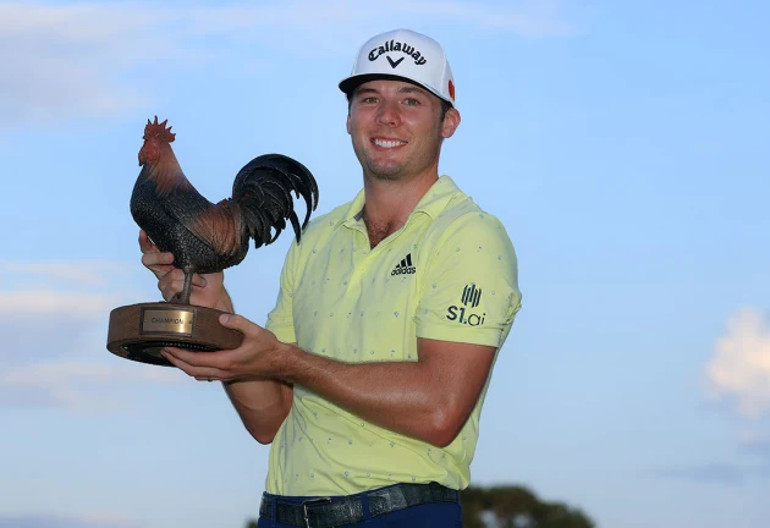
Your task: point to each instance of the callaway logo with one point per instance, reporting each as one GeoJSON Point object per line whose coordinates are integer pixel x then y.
{"type": "Point", "coordinates": [393, 46]}
{"type": "Point", "coordinates": [470, 297]}
{"type": "Point", "coordinates": [405, 267]}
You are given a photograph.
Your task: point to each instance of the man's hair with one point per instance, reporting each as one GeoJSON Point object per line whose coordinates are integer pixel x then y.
{"type": "Point", "coordinates": [445, 106]}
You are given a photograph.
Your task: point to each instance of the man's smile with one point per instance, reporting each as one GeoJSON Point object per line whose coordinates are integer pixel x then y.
{"type": "Point", "coordinates": [388, 143]}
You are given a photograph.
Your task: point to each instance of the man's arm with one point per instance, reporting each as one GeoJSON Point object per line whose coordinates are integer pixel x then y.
{"type": "Point", "coordinates": [261, 404]}
{"type": "Point", "coordinates": [429, 399]}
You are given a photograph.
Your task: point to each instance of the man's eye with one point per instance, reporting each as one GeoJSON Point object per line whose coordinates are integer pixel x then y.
{"type": "Point", "coordinates": [411, 101]}
{"type": "Point", "coordinates": [369, 100]}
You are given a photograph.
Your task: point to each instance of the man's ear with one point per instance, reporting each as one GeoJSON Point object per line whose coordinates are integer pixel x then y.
{"type": "Point", "coordinates": [451, 122]}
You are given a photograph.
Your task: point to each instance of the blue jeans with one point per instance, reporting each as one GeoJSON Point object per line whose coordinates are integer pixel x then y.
{"type": "Point", "coordinates": [429, 515]}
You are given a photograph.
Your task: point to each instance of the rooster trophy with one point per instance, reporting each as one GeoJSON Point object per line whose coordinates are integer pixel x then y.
{"type": "Point", "coordinates": [204, 238]}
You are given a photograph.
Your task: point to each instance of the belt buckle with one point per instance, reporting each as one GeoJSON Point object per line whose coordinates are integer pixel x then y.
{"type": "Point", "coordinates": [305, 504]}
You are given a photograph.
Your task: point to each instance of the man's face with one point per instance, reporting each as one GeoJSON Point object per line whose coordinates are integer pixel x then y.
{"type": "Point", "coordinates": [397, 130]}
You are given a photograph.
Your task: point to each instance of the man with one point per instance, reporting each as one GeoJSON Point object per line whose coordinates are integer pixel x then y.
{"type": "Point", "coordinates": [369, 376]}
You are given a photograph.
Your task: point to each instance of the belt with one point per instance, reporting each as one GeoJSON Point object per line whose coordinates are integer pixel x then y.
{"type": "Point", "coordinates": [327, 512]}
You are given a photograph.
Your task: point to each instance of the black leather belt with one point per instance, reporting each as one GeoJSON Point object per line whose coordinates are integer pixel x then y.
{"type": "Point", "coordinates": [327, 512]}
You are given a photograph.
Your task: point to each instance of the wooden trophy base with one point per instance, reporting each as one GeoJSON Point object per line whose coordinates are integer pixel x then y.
{"type": "Point", "coordinates": [139, 331]}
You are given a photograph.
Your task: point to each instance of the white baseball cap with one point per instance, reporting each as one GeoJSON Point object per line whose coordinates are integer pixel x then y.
{"type": "Point", "coordinates": [403, 54]}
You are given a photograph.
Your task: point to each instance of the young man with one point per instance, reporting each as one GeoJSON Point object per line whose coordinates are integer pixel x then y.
{"type": "Point", "coordinates": [370, 374]}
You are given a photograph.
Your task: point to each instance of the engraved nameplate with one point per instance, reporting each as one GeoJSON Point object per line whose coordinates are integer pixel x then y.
{"type": "Point", "coordinates": [165, 321]}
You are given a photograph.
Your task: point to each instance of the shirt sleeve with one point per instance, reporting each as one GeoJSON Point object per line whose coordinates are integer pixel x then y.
{"type": "Point", "coordinates": [470, 291]}
{"type": "Point", "coordinates": [280, 320]}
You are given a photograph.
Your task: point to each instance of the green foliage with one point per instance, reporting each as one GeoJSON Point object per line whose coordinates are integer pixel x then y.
{"type": "Point", "coordinates": [517, 507]}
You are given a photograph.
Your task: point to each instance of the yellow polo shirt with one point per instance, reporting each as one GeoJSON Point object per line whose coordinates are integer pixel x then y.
{"type": "Point", "coordinates": [449, 273]}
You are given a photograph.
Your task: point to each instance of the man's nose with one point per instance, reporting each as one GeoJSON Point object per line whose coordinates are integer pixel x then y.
{"type": "Point", "coordinates": [388, 113]}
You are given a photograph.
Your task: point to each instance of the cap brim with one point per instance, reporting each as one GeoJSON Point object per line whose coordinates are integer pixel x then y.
{"type": "Point", "coordinates": [354, 81]}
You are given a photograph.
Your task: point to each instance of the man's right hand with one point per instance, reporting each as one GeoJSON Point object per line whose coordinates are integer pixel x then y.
{"type": "Point", "coordinates": [207, 290]}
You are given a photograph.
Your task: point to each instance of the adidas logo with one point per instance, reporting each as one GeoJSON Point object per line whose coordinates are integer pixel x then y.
{"type": "Point", "coordinates": [405, 267]}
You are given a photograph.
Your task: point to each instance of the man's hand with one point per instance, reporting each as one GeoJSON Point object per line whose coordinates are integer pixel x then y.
{"type": "Point", "coordinates": [253, 360]}
{"type": "Point", "coordinates": [261, 402]}
{"type": "Point", "coordinates": [208, 290]}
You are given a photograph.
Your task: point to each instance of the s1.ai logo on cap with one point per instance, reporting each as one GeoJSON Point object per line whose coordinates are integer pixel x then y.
{"type": "Point", "coordinates": [470, 299]}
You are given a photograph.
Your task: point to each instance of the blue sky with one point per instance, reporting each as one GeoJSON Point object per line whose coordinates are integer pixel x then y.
{"type": "Point", "coordinates": [622, 144]}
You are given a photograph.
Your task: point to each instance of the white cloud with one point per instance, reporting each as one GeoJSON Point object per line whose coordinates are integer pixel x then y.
{"type": "Point", "coordinates": [53, 319]}
{"type": "Point", "coordinates": [92, 387]}
{"type": "Point", "coordinates": [90, 273]}
{"type": "Point", "coordinates": [527, 19]}
{"type": "Point", "coordinates": [756, 442]}
{"type": "Point", "coordinates": [67, 288]}
{"type": "Point", "coordinates": [79, 60]}
{"type": "Point", "coordinates": [84, 373]}
{"type": "Point", "coordinates": [740, 368]}
{"type": "Point", "coordinates": [51, 303]}
{"type": "Point", "coordinates": [87, 289]}
{"type": "Point", "coordinates": [60, 61]}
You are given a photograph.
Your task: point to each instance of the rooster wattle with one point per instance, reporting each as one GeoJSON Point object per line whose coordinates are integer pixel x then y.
{"type": "Point", "coordinates": [205, 237]}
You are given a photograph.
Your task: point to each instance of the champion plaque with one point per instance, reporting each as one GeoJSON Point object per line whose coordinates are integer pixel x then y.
{"type": "Point", "coordinates": [139, 331]}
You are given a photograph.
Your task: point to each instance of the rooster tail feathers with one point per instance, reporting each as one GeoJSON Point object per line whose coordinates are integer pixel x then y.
{"type": "Point", "coordinates": [263, 188]}
{"type": "Point", "coordinates": [295, 223]}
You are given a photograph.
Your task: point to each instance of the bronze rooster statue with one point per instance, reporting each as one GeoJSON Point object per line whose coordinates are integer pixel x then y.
{"type": "Point", "coordinates": [206, 237]}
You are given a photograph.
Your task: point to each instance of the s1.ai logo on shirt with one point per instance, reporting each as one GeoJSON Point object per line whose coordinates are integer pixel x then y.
{"type": "Point", "coordinates": [470, 299]}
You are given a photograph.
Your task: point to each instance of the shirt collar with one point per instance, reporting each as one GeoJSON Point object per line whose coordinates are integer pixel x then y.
{"type": "Point", "coordinates": [432, 203]}
{"type": "Point", "coordinates": [435, 200]}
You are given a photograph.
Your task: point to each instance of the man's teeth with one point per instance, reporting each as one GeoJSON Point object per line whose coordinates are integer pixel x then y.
{"type": "Point", "coordinates": [388, 143]}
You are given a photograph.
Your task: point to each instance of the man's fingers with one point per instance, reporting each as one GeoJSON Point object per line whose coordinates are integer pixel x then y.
{"type": "Point", "coordinates": [172, 356]}
{"type": "Point", "coordinates": [237, 322]}
{"type": "Point", "coordinates": [157, 259]}
{"type": "Point", "coordinates": [171, 280]}
{"type": "Point", "coordinates": [151, 255]}
{"type": "Point", "coordinates": [177, 356]}
{"type": "Point", "coordinates": [145, 244]}
{"type": "Point", "coordinates": [199, 365]}
{"type": "Point", "coordinates": [168, 355]}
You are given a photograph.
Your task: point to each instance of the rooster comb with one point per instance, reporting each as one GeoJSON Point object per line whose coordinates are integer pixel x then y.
{"type": "Point", "coordinates": [158, 131]}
